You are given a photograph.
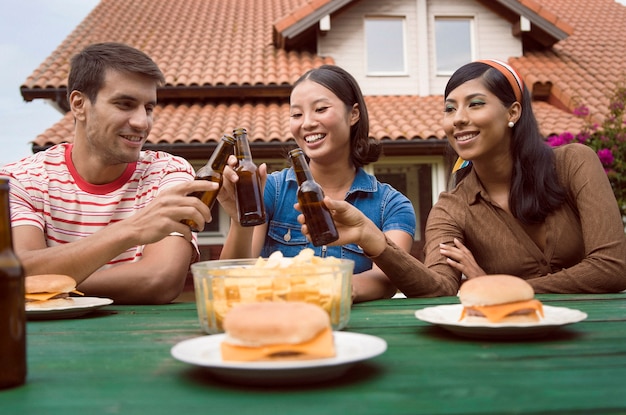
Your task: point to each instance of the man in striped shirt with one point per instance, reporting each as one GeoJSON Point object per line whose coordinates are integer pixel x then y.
{"type": "Point", "coordinates": [99, 209]}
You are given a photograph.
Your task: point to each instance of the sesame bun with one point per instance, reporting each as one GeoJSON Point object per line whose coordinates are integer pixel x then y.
{"type": "Point", "coordinates": [49, 283]}
{"type": "Point", "coordinates": [495, 289]}
{"type": "Point", "coordinates": [268, 323]}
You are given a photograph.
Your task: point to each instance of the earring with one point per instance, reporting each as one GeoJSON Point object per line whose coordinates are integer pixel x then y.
{"type": "Point", "coordinates": [511, 124]}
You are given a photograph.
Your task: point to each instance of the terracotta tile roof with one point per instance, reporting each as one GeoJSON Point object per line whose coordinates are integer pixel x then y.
{"type": "Point", "coordinates": [161, 28]}
{"type": "Point", "coordinates": [397, 118]}
{"type": "Point", "coordinates": [547, 14]}
{"type": "Point", "coordinates": [297, 20]}
{"type": "Point", "coordinates": [582, 67]}
{"type": "Point", "coordinates": [300, 13]}
{"type": "Point", "coordinates": [585, 67]}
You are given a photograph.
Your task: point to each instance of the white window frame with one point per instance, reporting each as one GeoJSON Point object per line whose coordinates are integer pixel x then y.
{"type": "Point", "coordinates": [438, 185]}
{"type": "Point", "coordinates": [400, 72]}
{"type": "Point", "coordinates": [437, 165]}
{"type": "Point", "coordinates": [472, 42]}
{"type": "Point", "coordinates": [216, 237]}
{"type": "Point", "coordinates": [438, 175]}
{"type": "Point", "coordinates": [219, 237]}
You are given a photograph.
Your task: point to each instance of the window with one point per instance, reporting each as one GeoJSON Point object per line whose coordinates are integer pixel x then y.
{"type": "Point", "coordinates": [453, 39]}
{"type": "Point", "coordinates": [421, 181]}
{"type": "Point", "coordinates": [215, 232]}
{"type": "Point", "coordinates": [384, 41]}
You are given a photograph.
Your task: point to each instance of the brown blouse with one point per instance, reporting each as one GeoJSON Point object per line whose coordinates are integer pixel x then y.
{"type": "Point", "coordinates": [585, 249]}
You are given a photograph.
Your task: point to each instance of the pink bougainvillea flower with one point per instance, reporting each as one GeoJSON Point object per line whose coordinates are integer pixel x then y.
{"type": "Point", "coordinates": [581, 111]}
{"type": "Point", "coordinates": [606, 156]}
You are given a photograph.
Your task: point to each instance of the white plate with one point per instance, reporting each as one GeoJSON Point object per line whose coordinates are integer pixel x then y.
{"type": "Point", "coordinates": [80, 307]}
{"type": "Point", "coordinates": [447, 316]}
{"type": "Point", "coordinates": [350, 347]}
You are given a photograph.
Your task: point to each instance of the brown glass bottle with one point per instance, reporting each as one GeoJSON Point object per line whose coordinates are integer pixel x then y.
{"type": "Point", "coordinates": [322, 229]}
{"type": "Point", "coordinates": [12, 309]}
{"type": "Point", "coordinates": [212, 171]}
{"type": "Point", "coordinates": [248, 188]}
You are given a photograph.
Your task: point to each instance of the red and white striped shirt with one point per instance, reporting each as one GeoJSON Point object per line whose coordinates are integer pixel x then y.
{"type": "Point", "coordinates": [47, 192]}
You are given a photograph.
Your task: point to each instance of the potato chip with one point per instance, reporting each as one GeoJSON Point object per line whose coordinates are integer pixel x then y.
{"type": "Point", "coordinates": [322, 281]}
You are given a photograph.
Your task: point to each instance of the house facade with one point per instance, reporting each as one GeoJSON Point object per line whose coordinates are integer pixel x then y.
{"type": "Point", "coordinates": [231, 63]}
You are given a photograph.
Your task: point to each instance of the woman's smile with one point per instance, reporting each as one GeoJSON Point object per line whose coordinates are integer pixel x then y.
{"type": "Point", "coordinates": [314, 138]}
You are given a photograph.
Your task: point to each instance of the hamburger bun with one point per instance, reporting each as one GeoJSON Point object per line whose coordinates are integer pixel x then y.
{"type": "Point", "coordinates": [46, 290]}
{"type": "Point", "coordinates": [277, 330]}
{"type": "Point", "coordinates": [47, 283]}
{"type": "Point", "coordinates": [495, 289]}
{"type": "Point", "coordinates": [499, 298]}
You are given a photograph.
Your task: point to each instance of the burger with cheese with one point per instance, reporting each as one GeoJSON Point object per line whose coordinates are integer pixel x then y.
{"type": "Point", "coordinates": [277, 331]}
{"type": "Point", "coordinates": [499, 299]}
{"type": "Point", "coordinates": [49, 290]}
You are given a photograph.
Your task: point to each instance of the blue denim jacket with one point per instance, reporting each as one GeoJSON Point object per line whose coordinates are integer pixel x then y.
{"type": "Point", "coordinates": [385, 206]}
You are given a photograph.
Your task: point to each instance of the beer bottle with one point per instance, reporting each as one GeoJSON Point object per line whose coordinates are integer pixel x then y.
{"type": "Point", "coordinates": [12, 309]}
{"type": "Point", "coordinates": [248, 187]}
{"type": "Point", "coordinates": [212, 171]}
{"type": "Point", "coordinates": [322, 229]}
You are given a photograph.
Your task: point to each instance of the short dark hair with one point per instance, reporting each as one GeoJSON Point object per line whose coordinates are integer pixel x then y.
{"type": "Point", "coordinates": [88, 67]}
{"type": "Point", "coordinates": [535, 187]}
{"type": "Point", "coordinates": [364, 149]}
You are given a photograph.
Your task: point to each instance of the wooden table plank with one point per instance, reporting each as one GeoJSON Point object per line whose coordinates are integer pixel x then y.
{"type": "Point", "coordinates": [118, 361]}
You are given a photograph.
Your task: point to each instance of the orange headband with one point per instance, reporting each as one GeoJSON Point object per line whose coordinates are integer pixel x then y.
{"type": "Point", "coordinates": [513, 77]}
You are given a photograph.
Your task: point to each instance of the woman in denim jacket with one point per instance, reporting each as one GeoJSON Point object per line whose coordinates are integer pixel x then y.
{"type": "Point", "coordinates": [329, 121]}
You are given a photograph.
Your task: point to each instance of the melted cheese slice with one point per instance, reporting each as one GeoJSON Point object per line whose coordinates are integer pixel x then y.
{"type": "Point", "coordinates": [318, 347]}
{"type": "Point", "coordinates": [41, 296]}
{"type": "Point", "coordinates": [46, 296]}
{"type": "Point", "coordinates": [495, 313]}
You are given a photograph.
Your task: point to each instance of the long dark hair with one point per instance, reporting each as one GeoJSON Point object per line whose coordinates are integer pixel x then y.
{"type": "Point", "coordinates": [363, 149]}
{"type": "Point", "coordinates": [535, 188]}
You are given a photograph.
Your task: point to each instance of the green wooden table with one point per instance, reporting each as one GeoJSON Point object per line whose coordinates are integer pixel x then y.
{"type": "Point", "coordinates": [117, 361]}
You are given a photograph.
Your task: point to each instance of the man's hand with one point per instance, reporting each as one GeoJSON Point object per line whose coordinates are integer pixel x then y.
{"type": "Point", "coordinates": [81, 258]}
{"type": "Point", "coordinates": [164, 214]}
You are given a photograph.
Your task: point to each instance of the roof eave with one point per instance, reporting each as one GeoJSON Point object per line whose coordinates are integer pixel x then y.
{"type": "Point", "coordinates": [284, 31]}
{"type": "Point", "coordinates": [59, 95]}
{"type": "Point", "coordinates": [547, 32]}
{"type": "Point", "coordinates": [269, 150]}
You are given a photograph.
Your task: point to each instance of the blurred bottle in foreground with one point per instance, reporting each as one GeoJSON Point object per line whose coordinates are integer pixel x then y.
{"type": "Point", "coordinates": [311, 199]}
{"type": "Point", "coordinates": [213, 172]}
{"type": "Point", "coordinates": [12, 298]}
{"type": "Point", "coordinates": [248, 188]}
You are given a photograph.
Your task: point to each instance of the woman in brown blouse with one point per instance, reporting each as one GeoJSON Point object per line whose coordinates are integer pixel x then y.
{"type": "Point", "coordinates": [518, 206]}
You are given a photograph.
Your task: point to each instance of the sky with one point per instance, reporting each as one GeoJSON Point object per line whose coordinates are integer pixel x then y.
{"type": "Point", "coordinates": [30, 30]}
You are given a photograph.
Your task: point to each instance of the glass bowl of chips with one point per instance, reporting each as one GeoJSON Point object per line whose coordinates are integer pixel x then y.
{"type": "Point", "coordinates": [221, 284]}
